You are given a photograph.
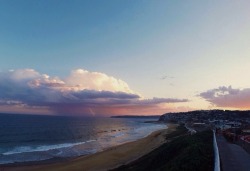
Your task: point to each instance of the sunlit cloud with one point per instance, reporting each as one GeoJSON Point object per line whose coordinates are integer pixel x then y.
{"type": "Point", "coordinates": [82, 92]}
{"type": "Point", "coordinates": [228, 97]}
{"type": "Point", "coordinates": [83, 79]}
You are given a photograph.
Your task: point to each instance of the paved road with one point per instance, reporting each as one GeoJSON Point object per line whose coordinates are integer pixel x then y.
{"type": "Point", "coordinates": [233, 157]}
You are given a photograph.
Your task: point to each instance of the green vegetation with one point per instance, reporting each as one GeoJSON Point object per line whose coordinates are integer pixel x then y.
{"type": "Point", "coordinates": [183, 153]}
{"type": "Point", "coordinates": [180, 131]}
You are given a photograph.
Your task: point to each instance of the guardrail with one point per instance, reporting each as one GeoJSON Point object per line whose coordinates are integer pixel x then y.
{"type": "Point", "coordinates": [216, 154]}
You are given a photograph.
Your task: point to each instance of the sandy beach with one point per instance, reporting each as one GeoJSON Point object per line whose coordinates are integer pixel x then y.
{"type": "Point", "coordinates": [107, 159]}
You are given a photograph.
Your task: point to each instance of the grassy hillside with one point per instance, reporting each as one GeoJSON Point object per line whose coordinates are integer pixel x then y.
{"type": "Point", "coordinates": [184, 153]}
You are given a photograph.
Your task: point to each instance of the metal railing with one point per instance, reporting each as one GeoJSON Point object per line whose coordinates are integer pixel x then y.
{"type": "Point", "coordinates": [216, 154]}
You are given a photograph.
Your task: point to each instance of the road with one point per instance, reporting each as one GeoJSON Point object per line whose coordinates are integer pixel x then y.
{"type": "Point", "coordinates": [233, 157]}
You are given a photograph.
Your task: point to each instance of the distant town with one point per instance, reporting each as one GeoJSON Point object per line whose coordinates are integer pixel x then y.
{"type": "Point", "coordinates": [234, 125]}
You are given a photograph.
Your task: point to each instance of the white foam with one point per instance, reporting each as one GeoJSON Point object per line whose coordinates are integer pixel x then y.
{"type": "Point", "coordinates": [147, 130]}
{"type": "Point", "coordinates": [26, 149]}
{"type": "Point", "coordinates": [118, 134]}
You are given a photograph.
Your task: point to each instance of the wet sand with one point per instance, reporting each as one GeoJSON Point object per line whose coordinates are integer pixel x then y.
{"type": "Point", "coordinates": [107, 159]}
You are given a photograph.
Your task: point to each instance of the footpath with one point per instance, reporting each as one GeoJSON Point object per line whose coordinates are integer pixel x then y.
{"type": "Point", "coordinates": [232, 156]}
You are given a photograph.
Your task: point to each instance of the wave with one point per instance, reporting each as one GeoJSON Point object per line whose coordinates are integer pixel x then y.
{"type": "Point", "coordinates": [27, 149]}
{"type": "Point", "coordinates": [104, 137]}
{"type": "Point", "coordinates": [147, 130]}
{"type": "Point", "coordinates": [118, 134]}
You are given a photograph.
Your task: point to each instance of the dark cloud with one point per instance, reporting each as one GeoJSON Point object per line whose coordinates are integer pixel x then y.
{"type": "Point", "coordinates": [91, 94]}
{"type": "Point", "coordinates": [32, 89]}
{"type": "Point", "coordinates": [228, 97]}
{"type": "Point", "coordinates": [156, 100]}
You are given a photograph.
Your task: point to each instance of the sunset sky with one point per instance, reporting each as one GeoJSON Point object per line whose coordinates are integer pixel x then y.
{"type": "Point", "coordinates": [102, 58]}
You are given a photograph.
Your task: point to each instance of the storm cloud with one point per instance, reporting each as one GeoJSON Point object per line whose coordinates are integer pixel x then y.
{"type": "Point", "coordinates": [82, 92]}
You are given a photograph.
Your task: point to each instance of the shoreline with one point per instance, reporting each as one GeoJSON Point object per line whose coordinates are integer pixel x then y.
{"type": "Point", "coordinates": [109, 158]}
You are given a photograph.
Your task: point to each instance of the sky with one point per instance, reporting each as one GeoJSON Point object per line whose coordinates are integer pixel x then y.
{"type": "Point", "coordinates": [102, 58]}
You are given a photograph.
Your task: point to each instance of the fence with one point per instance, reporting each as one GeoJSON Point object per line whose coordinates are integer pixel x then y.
{"type": "Point", "coordinates": [216, 154]}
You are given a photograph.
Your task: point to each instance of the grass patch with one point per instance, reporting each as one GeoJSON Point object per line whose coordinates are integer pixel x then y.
{"type": "Point", "coordinates": [180, 130]}
{"type": "Point", "coordinates": [184, 153]}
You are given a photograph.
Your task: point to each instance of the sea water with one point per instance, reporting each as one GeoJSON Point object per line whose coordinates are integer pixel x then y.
{"type": "Point", "coordinates": [25, 138]}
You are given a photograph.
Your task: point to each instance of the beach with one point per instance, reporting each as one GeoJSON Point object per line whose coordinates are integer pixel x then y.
{"type": "Point", "coordinates": [108, 159]}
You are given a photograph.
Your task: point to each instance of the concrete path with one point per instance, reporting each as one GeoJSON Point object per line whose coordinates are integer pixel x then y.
{"type": "Point", "coordinates": [233, 157]}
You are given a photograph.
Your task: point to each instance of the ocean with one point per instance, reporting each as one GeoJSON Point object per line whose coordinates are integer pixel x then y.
{"type": "Point", "coordinates": [25, 138]}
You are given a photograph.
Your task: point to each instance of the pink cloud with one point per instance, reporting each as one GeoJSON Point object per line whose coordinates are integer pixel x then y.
{"type": "Point", "coordinates": [228, 97]}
